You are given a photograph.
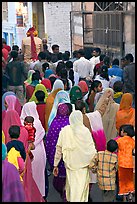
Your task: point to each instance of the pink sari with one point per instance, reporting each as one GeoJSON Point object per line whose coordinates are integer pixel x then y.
{"type": "Point", "coordinates": [32, 193]}
{"type": "Point", "coordinates": [97, 130]}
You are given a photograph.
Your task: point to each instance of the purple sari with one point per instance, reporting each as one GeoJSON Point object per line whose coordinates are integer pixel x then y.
{"type": "Point", "coordinates": [12, 188]}
{"type": "Point", "coordinates": [60, 121]}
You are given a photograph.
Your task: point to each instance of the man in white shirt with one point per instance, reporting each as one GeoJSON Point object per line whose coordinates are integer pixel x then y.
{"type": "Point", "coordinates": [95, 59]}
{"type": "Point", "coordinates": [82, 66]}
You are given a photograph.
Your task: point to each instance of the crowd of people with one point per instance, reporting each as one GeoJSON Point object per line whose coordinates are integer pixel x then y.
{"type": "Point", "coordinates": [67, 115]}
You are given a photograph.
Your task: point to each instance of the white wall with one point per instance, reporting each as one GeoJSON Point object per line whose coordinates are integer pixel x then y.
{"type": "Point", "coordinates": [57, 22]}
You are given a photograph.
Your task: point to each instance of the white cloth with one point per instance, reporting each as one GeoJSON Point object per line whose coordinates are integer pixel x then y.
{"type": "Point", "coordinates": [83, 67]}
{"type": "Point", "coordinates": [58, 84]}
{"type": "Point", "coordinates": [105, 83]}
{"type": "Point", "coordinates": [78, 150]}
{"type": "Point", "coordinates": [39, 161]}
{"type": "Point", "coordinates": [76, 78]}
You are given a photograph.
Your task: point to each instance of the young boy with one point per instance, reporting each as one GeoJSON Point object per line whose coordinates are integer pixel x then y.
{"type": "Point", "coordinates": [15, 149]}
{"type": "Point", "coordinates": [105, 164]}
{"type": "Point", "coordinates": [28, 124]}
{"type": "Point", "coordinates": [126, 146]}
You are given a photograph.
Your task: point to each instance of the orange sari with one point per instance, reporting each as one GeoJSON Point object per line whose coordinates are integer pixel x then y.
{"type": "Point", "coordinates": [125, 114]}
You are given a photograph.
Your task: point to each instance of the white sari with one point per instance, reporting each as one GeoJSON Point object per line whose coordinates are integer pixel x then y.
{"type": "Point", "coordinates": [39, 161]}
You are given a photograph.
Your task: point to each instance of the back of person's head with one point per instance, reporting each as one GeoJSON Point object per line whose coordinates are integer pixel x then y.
{"type": "Point", "coordinates": [115, 62]}
{"type": "Point", "coordinates": [35, 76]}
{"type": "Point", "coordinates": [81, 52]}
{"type": "Point", "coordinates": [75, 53]}
{"type": "Point", "coordinates": [118, 86]}
{"type": "Point", "coordinates": [106, 61]}
{"type": "Point", "coordinates": [15, 47]}
{"type": "Point", "coordinates": [69, 65]}
{"type": "Point", "coordinates": [68, 53]}
{"type": "Point", "coordinates": [4, 41]}
{"type": "Point", "coordinates": [38, 73]}
{"type": "Point", "coordinates": [112, 145]}
{"type": "Point", "coordinates": [69, 107]}
{"type": "Point", "coordinates": [65, 57]}
{"type": "Point", "coordinates": [101, 57]}
{"type": "Point", "coordinates": [42, 56]}
{"type": "Point", "coordinates": [104, 72]}
{"type": "Point", "coordinates": [14, 131]}
{"type": "Point", "coordinates": [60, 66]}
{"type": "Point", "coordinates": [29, 119]}
{"type": "Point", "coordinates": [129, 130]}
{"type": "Point", "coordinates": [52, 80]}
{"type": "Point", "coordinates": [14, 54]}
{"type": "Point", "coordinates": [79, 105]}
{"type": "Point", "coordinates": [40, 96]}
{"type": "Point", "coordinates": [45, 65]}
{"type": "Point", "coordinates": [63, 73]}
{"type": "Point", "coordinates": [129, 57]}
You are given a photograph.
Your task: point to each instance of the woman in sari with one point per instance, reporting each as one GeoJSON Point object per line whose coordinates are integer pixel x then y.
{"type": "Point", "coordinates": [12, 188]}
{"type": "Point", "coordinates": [38, 87]}
{"type": "Point", "coordinates": [39, 161]}
{"type": "Point", "coordinates": [17, 103]}
{"type": "Point", "coordinates": [61, 97]}
{"type": "Point", "coordinates": [84, 88]}
{"type": "Point", "coordinates": [60, 121]}
{"type": "Point", "coordinates": [125, 114]}
{"type": "Point", "coordinates": [32, 192]}
{"type": "Point", "coordinates": [57, 86]}
{"type": "Point", "coordinates": [77, 153]}
{"type": "Point", "coordinates": [109, 117]}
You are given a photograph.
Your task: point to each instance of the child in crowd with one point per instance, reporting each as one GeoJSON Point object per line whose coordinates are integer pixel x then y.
{"type": "Point", "coordinates": [15, 149]}
{"type": "Point", "coordinates": [28, 124]}
{"type": "Point", "coordinates": [118, 91]}
{"type": "Point", "coordinates": [126, 146]}
{"type": "Point", "coordinates": [105, 164]}
{"type": "Point", "coordinates": [96, 87]}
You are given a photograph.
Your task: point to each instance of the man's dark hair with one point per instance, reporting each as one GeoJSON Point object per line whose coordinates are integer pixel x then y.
{"type": "Point", "coordinates": [14, 131]}
{"type": "Point", "coordinates": [35, 76]}
{"type": "Point", "coordinates": [129, 57]}
{"type": "Point", "coordinates": [129, 129]}
{"type": "Point", "coordinates": [54, 46]}
{"type": "Point", "coordinates": [115, 62]}
{"type": "Point", "coordinates": [75, 52]}
{"type": "Point", "coordinates": [40, 95]}
{"type": "Point", "coordinates": [69, 107]}
{"type": "Point", "coordinates": [118, 86]}
{"type": "Point", "coordinates": [112, 145]}
{"type": "Point", "coordinates": [29, 119]}
{"type": "Point", "coordinates": [52, 80]}
{"type": "Point", "coordinates": [69, 65]}
{"type": "Point", "coordinates": [60, 66]}
{"type": "Point", "coordinates": [45, 66]}
{"type": "Point", "coordinates": [14, 54]}
{"type": "Point", "coordinates": [65, 57]}
{"type": "Point", "coordinates": [106, 61]}
{"type": "Point", "coordinates": [42, 55]}
{"type": "Point", "coordinates": [97, 49]}
{"type": "Point", "coordinates": [81, 52]}
{"type": "Point", "coordinates": [15, 47]}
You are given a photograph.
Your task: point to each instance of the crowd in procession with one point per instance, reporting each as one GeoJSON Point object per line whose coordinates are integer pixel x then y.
{"type": "Point", "coordinates": [72, 116]}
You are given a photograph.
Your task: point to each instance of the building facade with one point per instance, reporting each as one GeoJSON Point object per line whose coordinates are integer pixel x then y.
{"type": "Point", "coordinates": [108, 25]}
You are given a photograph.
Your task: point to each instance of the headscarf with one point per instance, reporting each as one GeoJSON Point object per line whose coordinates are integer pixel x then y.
{"type": "Point", "coordinates": [38, 87]}
{"type": "Point", "coordinates": [77, 144]}
{"type": "Point", "coordinates": [58, 84]}
{"type": "Point", "coordinates": [32, 32]}
{"type": "Point", "coordinates": [83, 86]}
{"type": "Point", "coordinates": [11, 102]}
{"type": "Point", "coordinates": [60, 121]}
{"type": "Point", "coordinates": [4, 151]}
{"type": "Point", "coordinates": [29, 79]}
{"type": "Point", "coordinates": [46, 83]}
{"type": "Point", "coordinates": [75, 94]}
{"type": "Point", "coordinates": [17, 105]}
{"type": "Point", "coordinates": [8, 93]}
{"type": "Point", "coordinates": [48, 73]}
{"type": "Point", "coordinates": [61, 97]}
{"type": "Point", "coordinates": [109, 117]}
{"type": "Point", "coordinates": [12, 118]}
{"type": "Point", "coordinates": [126, 113]}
